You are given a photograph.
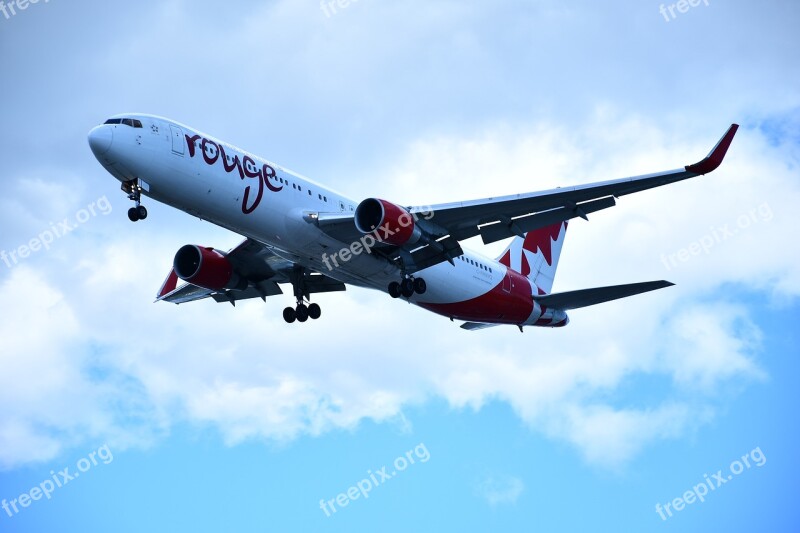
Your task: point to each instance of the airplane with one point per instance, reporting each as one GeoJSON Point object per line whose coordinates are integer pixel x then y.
{"type": "Point", "coordinates": [299, 232]}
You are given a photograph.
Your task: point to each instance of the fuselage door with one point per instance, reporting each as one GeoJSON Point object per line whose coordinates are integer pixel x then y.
{"type": "Point", "coordinates": [177, 139]}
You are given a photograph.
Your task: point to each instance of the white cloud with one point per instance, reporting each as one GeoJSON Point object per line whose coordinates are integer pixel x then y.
{"type": "Point", "coordinates": [706, 345]}
{"type": "Point", "coordinates": [609, 437]}
{"type": "Point", "coordinates": [498, 489]}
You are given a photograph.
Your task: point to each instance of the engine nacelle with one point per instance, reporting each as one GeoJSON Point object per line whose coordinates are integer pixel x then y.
{"type": "Point", "coordinates": [207, 268]}
{"type": "Point", "coordinates": [395, 224]}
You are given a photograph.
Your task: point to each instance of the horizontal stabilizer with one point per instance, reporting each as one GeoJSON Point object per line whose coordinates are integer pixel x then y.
{"type": "Point", "coordinates": [474, 326]}
{"type": "Point", "coordinates": [598, 295]}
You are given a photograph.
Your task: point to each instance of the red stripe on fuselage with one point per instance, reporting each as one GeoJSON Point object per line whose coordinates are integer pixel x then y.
{"type": "Point", "coordinates": [498, 306]}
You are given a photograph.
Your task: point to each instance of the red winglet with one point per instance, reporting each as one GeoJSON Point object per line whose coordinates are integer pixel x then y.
{"type": "Point", "coordinates": [169, 284]}
{"type": "Point", "coordinates": [714, 159]}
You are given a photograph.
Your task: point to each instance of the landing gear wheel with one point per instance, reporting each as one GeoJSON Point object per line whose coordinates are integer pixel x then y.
{"type": "Point", "coordinates": [420, 286]}
{"type": "Point", "coordinates": [134, 189]}
{"type": "Point", "coordinates": [289, 315]}
{"type": "Point", "coordinates": [407, 287]}
{"type": "Point", "coordinates": [301, 312]}
{"type": "Point", "coordinates": [394, 289]}
{"type": "Point", "coordinates": [314, 312]}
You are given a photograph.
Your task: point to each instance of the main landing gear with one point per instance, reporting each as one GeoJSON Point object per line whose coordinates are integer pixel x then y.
{"type": "Point", "coordinates": [134, 190]}
{"type": "Point", "coordinates": [407, 287]}
{"type": "Point", "coordinates": [301, 312]}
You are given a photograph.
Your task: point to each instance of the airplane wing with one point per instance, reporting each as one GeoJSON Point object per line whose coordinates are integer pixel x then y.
{"type": "Point", "coordinates": [263, 271]}
{"type": "Point", "coordinates": [498, 218]}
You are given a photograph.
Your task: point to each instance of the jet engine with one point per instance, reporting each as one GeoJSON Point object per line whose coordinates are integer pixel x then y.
{"type": "Point", "coordinates": [207, 268]}
{"type": "Point", "coordinates": [394, 224]}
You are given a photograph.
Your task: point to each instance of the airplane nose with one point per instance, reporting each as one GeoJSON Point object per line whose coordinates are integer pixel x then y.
{"type": "Point", "coordinates": [100, 139]}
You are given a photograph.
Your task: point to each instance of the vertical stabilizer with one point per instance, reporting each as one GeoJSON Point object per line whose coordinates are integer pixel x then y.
{"type": "Point", "coordinates": [536, 256]}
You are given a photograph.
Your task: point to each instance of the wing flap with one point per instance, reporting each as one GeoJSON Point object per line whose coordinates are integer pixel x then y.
{"type": "Point", "coordinates": [444, 249]}
{"type": "Point", "coordinates": [258, 290]}
{"type": "Point", "coordinates": [185, 293]}
{"type": "Point", "coordinates": [322, 283]}
{"type": "Point", "coordinates": [519, 226]}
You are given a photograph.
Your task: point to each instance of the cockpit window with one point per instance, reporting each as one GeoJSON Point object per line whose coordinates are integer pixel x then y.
{"type": "Point", "coordinates": [132, 122]}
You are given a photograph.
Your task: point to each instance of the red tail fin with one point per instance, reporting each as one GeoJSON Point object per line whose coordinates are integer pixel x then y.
{"type": "Point", "coordinates": [536, 256]}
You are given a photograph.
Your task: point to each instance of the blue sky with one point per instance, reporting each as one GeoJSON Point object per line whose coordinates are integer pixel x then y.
{"type": "Point", "coordinates": [207, 417]}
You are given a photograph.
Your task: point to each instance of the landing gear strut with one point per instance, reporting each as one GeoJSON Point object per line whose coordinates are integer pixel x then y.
{"type": "Point", "coordinates": [407, 287]}
{"type": "Point", "coordinates": [134, 190]}
{"type": "Point", "coordinates": [301, 312]}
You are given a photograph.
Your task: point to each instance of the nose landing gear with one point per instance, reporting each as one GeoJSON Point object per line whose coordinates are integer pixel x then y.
{"type": "Point", "coordinates": [137, 213]}
{"type": "Point", "coordinates": [134, 189]}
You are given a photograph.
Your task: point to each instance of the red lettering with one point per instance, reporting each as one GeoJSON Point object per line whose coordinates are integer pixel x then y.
{"type": "Point", "coordinates": [250, 168]}
{"type": "Point", "coordinates": [247, 210]}
{"type": "Point", "coordinates": [237, 164]}
{"type": "Point", "coordinates": [246, 166]}
{"type": "Point", "coordinates": [206, 147]}
{"type": "Point", "coordinates": [269, 173]}
{"type": "Point", "coordinates": [190, 141]}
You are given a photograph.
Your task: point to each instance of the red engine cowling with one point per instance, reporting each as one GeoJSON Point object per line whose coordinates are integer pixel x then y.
{"type": "Point", "coordinates": [395, 224]}
{"type": "Point", "coordinates": [207, 268]}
